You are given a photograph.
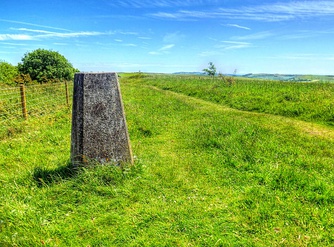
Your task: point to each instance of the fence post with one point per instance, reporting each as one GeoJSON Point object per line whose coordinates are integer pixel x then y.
{"type": "Point", "coordinates": [23, 101]}
{"type": "Point", "coordinates": [67, 95]}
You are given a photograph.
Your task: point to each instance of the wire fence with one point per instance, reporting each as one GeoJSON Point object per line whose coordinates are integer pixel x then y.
{"type": "Point", "coordinates": [20, 103]}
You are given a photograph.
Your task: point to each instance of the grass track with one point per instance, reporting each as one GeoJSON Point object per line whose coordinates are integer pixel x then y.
{"type": "Point", "coordinates": [312, 102]}
{"type": "Point", "coordinates": [205, 175]}
{"type": "Point", "coordinates": [304, 127]}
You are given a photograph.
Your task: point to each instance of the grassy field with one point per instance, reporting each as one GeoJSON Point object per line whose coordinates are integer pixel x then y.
{"type": "Point", "coordinates": [306, 101]}
{"type": "Point", "coordinates": [205, 173]}
{"type": "Point", "coordinates": [40, 100]}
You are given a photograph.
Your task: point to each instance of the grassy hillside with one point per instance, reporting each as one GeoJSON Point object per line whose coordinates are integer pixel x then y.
{"type": "Point", "coordinates": [306, 101]}
{"type": "Point", "coordinates": [204, 175]}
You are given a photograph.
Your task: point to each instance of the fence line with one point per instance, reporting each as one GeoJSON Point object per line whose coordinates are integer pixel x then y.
{"type": "Point", "coordinates": [27, 101]}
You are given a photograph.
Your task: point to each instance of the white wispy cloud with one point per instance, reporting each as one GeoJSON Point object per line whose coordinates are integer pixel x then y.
{"type": "Point", "coordinates": [12, 44]}
{"type": "Point", "coordinates": [166, 47]}
{"type": "Point", "coordinates": [255, 36]}
{"type": "Point", "coordinates": [145, 38]}
{"type": "Point", "coordinates": [305, 34]}
{"type": "Point", "coordinates": [70, 35]}
{"type": "Point", "coordinates": [60, 44]}
{"type": "Point", "coordinates": [16, 37]}
{"type": "Point", "coordinates": [124, 33]}
{"type": "Point", "coordinates": [47, 35]}
{"type": "Point", "coordinates": [130, 45]}
{"type": "Point", "coordinates": [32, 30]}
{"type": "Point", "coordinates": [43, 32]}
{"type": "Point", "coordinates": [173, 37]}
{"type": "Point", "coordinates": [32, 24]}
{"type": "Point", "coordinates": [163, 50]}
{"type": "Point", "coordinates": [210, 53]}
{"type": "Point", "coordinates": [161, 3]}
{"type": "Point", "coordinates": [40, 34]}
{"type": "Point", "coordinates": [288, 35]}
{"type": "Point", "coordinates": [298, 35]}
{"type": "Point", "coordinates": [230, 45]}
{"type": "Point", "coordinates": [154, 53]}
{"type": "Point", "coordinates": [279, 11]}
{"type": "Point", "coordinates": [222, 48]}
{"type": "Point", "coordinates": [237, 26]}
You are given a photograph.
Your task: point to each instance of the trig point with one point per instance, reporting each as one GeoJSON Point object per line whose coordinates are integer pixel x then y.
{"type": "Point", "coordinates": [99, 131]}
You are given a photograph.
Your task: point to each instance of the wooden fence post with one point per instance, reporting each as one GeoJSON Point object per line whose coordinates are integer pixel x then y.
{"type": "Point", "coordinates": [23, 101]}
{"type": "Point", "coordinates": [67, 94]}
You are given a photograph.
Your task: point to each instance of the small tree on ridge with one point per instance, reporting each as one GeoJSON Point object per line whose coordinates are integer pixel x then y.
{"type": "Point", "coordinates": [211, 70]}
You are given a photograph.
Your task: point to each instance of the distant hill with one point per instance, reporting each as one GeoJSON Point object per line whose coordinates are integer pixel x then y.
{"type": "Point", "coordinates": [290, 77]}
{"type": "Point", "coordinates": [276, 77]}
{"type": "Point", "coordinates": [188, 73]}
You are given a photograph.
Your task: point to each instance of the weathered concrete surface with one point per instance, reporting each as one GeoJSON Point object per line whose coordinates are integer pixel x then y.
{"type": "Point", "coordinates": [99, 131]}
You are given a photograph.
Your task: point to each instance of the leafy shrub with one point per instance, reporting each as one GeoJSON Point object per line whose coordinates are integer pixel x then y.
{"type": "Point", "coordinates": [7, 73]}
{"type": "Point", "coordinates": [45, 65]}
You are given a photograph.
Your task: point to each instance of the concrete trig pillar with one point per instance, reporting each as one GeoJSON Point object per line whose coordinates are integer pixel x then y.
{"type": "Point", "coordinates": [99, 131]}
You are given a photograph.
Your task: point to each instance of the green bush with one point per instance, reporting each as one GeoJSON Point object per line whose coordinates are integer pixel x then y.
{"type": "Point", "coordinates": [7, 73]}
{"type": "Point", "coordinates": [46, 65]}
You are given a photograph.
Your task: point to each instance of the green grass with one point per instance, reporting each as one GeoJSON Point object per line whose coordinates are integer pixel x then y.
{"type": "Point", "coordinates": [306, 101]}
{"type": "Point", "coordinates": [204, 175]}
{"type": "Point", "coordinates": [40, 100]}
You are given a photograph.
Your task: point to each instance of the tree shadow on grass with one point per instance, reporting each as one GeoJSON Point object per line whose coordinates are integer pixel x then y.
{"type": "Point", "coordinates": [45, 177]}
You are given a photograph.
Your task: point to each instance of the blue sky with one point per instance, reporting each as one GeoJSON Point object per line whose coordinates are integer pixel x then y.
{"type": "Point", "coordinates": [249, 36]}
